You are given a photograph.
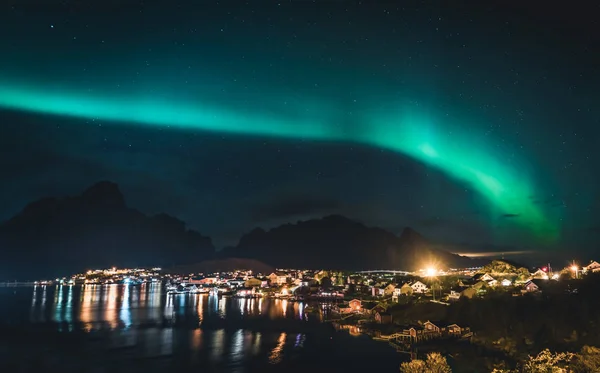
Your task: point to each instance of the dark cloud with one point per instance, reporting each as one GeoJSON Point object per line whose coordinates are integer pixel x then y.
{"type": "Point", "coordinates": [509, 216]}
{"type": "Point", "coordinates": [433, 222]}
{"type": "Point", "coordinates": [295, 206]}
{"type": "Point", "coordinates": [594, 229]}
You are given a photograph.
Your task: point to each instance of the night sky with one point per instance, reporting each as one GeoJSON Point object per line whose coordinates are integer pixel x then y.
{"type": "Point", "coordinates": [476, 125]}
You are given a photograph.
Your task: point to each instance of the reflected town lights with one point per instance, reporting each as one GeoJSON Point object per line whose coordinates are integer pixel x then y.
{"type": "Point", "coordinates": [276, 353]}
{"type": "Point", "coordinates": [218, 344]}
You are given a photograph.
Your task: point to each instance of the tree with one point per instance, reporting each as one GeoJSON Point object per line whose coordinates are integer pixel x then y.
{"type": "Point", "coordinates": [587, 361]}
{"type": "Point", "coordinates": [548, 362]}
{"type": "Point", "coordinates": [326, 283]}
{"type": "Point", "coordinates": [435, 363]}
{"type": "Point", "coordinates": [339, 279]}
{"type": "Point", "coordinates": [523, 274]}
{"type": "Point", "coordinates": [414, 366]}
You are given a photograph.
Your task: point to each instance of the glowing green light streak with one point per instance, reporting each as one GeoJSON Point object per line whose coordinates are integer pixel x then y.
{"type": "Point", "coordinates": [459, 157]}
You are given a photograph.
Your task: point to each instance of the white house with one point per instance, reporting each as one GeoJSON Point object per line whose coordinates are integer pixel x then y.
{"type": "Point", "coordinates": [419, 287]}
{"type": "Point", "coordinates": [540, 274]}
{"type": "Point", "coordinates": [594, 266]}
{"type": "Point", "coordinates": [454, 295]}
{"type": "Point", "coordinates": [506, 282]}
{"type": "Point", "coordinates": [486, 277]}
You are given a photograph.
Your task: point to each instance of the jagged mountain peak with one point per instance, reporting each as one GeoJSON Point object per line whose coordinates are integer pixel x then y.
{"type": "Point", "coordinates": [104, 193]}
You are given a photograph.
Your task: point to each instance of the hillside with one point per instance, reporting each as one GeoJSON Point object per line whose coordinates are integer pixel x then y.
{"type": "Point", "coordinates": [504, 267]}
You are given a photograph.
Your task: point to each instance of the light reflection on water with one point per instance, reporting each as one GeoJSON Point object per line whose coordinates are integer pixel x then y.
{"type": "Point", "coordinates": [138, 321]}
{"type": "Point", "coordinates": [123, 306]}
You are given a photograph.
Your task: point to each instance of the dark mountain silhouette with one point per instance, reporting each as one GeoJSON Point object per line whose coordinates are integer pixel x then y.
{"type": "Point", "coordinates": [60, 236]}
{"type": "Point", "coordinates": [337, 242]}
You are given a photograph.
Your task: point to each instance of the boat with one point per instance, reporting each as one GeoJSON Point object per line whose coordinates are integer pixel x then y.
{"type": "Point", "coordinates": [200, 290]}
{"type": "Point", "coordinates": [182, 289]}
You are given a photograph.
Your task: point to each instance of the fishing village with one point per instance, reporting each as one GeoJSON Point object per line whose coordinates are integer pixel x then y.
{"type": "Point", "coordinates": [412, 312]}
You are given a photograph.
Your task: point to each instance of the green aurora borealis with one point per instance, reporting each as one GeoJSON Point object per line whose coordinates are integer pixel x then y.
{"type": "Point", "coordinates": [462, 156]}
{"type": "Point", "coordinates": [473, 125]}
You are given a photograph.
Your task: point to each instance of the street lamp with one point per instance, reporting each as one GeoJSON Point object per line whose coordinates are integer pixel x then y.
{"type": "Point", "coordinates": [575, 269]}
{"type": "Point", "coordinates": [430, 272]}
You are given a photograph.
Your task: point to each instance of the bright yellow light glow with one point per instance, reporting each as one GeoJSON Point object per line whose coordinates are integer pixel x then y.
{"type": "Point", "coordinates": [430, 272]}
{"type": "Point", "coordinates": [574, 268]}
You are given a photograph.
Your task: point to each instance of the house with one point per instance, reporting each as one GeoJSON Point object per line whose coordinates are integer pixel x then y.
{"type": "Point", "coordinates": [492, 283]}
{"type": "Point", "coordinates": [383, 317]}
{"type": "Point", "coordinates": [454, 330]}
{"type": "Point", "coordinates": [419, 287]}
{"type": "Point", "coordinates": [594, 266]}
{"type": "Point", "coordinates": [355, 305]}
{"type": "Point", "coordinates": [539, 274]}
{"type": "Point", "coordinates": [454, 295]}
{"type": "Point", "coordinates": [321, 274]}
{"type": "Point", "coordinates": [506, 282]}
{"type": "Point", "coordinates": [405, 289]}
{"type": "Point", "coordinates": [389, 290]}
{"type": "Point", "coordinates": [531, 287]}
{"type": "Point", "coordinates": [278, 278]}
{"type": "Point", "coordinates": [309, 282]}
{"type": "Point", "coordinates": [469, 292]}
{"type": "Point", "coordinates": [430, 327]}
{"type": "Point", "coordinates": [486, 277]}
{"type": "Point", "coordinates": [252, 282]}
{"type": "Point", "coordinates": [456, 292]}
{"type": "Point", "coordinates": [377, 291]}
{"type": "Point", "coordinates": [413, 331]}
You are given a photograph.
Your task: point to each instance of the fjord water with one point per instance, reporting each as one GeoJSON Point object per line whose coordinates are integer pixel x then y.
{"type": "Point", "coordinates": [99, 328]}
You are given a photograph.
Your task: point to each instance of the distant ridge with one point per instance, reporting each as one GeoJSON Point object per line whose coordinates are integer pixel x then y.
{"type": "Point", "coordinates": [336, 242]}
{"type": "Point", "coordinates": [223, 265]}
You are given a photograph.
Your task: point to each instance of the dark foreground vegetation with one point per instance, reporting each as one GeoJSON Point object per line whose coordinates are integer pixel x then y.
{"type": "Point", "coordinates": [508, 329]}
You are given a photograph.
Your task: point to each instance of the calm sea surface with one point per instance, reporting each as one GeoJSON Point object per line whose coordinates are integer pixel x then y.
{"type": "Point", "coordinates": [113, 328]}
